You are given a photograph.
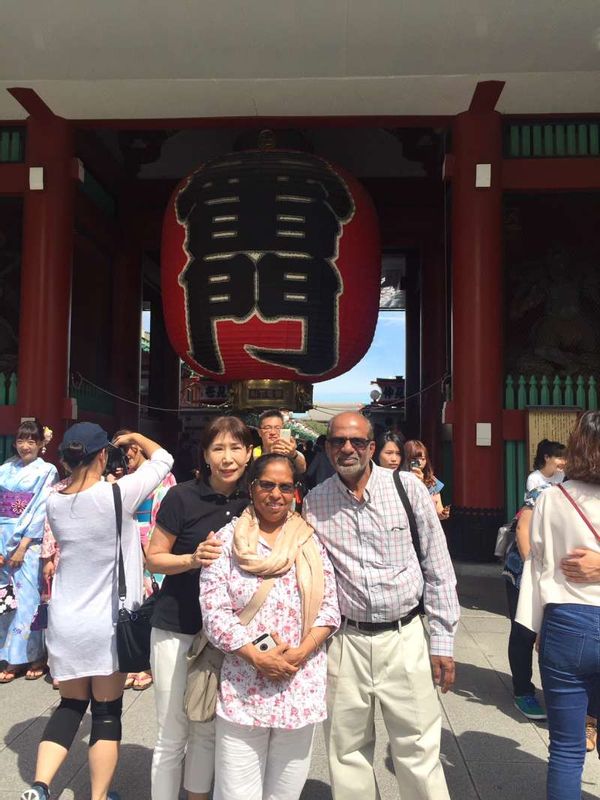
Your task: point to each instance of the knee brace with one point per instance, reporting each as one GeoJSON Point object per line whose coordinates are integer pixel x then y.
{"type": "Point", "coordinates": [65, 721]}
{"type": "Point", "coordinates": [106, 720]}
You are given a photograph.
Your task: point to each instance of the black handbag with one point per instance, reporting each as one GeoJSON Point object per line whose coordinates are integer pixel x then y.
{"type": "Point", "coordinates": [133, 627]}
{"type": "Point", "coordinates": [40, 619]}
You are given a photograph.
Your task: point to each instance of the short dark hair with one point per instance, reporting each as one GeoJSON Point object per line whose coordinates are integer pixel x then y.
{"type": "Point", "coordinates": [30, 429]}
{"type": "Point", "coordinates": [233, 425]}
{"type": "Point", "coordinates": [381, 442]}
{"type": "Point", "coordinates": [549, 449]}
{"type": "Point", "coordinates": [268, 414]}
{"type": "Point", "coordinates": [258, 467]}
{"type": "Point", "coordinates": [583, 450]}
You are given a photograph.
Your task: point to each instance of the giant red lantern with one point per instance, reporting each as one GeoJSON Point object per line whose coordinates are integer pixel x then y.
{"type": "Point", "coordinates": [270, 268]}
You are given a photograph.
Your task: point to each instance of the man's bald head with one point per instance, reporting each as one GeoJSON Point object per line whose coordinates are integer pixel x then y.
{"type": "Point", "coordinates": [350, 445]}
{"type": "Point", "coordinates": [353, 419]}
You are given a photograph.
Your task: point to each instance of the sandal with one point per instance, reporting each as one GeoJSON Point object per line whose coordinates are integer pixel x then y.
{"type": "Point", "coordinates": [36, 671]}
{"type": "Point", "coordinates": [129, 680]}
{"type": "Point", "coordinates": [142, 681]}
{"type": "Point", "coordinates": [8, 675]}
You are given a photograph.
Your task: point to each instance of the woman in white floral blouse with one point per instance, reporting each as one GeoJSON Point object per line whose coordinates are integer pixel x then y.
{"type": "Point", "coordinates": [269, 700]}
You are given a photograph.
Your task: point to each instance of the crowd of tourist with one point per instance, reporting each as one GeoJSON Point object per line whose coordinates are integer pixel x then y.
{"type": "Point", "coordinates": [312, 605]}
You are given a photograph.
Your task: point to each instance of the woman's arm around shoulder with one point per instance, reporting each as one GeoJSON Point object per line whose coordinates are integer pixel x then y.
{"type": "Point", "coordinates": [170, 524]}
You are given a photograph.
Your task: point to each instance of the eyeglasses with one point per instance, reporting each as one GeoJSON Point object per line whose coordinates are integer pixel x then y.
{"type": "Point", "coordinates": [272, 428]}
{"type": "Point", "coordinates": [357, 443]}
{"type": "Point", "coordinates": [268, 486]}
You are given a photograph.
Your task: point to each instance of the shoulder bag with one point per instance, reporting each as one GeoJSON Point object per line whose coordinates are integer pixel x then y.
{"type": "Point", "coordinates": [507, 536]}
{"type": "Point", "coordinates": [412, 524]}
{"type": "Point", "coordinates": [579, 511]}
{"type": "Point", "coordinates": [205, 660]}
{"type": "Point", "coordinates": [133, 627]}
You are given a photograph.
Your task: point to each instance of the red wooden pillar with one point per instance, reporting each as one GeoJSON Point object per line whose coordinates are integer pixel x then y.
{"type": "Point", "coordinates": [477, 313]}
{"type": "Point", "coordinates": [46, 274]}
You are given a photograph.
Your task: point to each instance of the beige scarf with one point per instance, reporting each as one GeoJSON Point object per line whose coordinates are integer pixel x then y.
{"type": "Point", "coordinates": [294, 545]}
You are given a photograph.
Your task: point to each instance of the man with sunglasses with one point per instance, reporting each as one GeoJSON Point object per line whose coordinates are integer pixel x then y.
{"type": "Point", "coordinates": [381, 651]}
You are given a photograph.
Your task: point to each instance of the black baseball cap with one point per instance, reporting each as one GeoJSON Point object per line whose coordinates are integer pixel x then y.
{"type": "Point", "coordinates": [90, 436]}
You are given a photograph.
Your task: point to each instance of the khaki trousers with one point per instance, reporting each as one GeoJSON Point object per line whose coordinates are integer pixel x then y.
{"type": "Point", "coordinates": [392, 667]}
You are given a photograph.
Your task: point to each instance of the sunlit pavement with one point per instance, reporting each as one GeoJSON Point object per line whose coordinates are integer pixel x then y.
{"type": "Point", "coordinates": [489, 750]}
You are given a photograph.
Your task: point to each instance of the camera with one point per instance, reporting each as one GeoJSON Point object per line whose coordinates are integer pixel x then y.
{"type": "Point", "coordinates": [116, 461]}
{"type": "Point", "coordinates": [415, 464]}
{"type": "Point", "coordinates": [264, 643]}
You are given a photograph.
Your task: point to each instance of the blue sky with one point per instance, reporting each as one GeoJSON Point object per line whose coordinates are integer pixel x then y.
{"type": "Point", "coordinates": [385, 358]}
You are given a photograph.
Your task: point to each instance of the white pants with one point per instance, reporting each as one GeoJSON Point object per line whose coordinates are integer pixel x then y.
{"type": "Point", "coordinates": [261, 763]}
{"type": "Point", "coordinates": [178, 738]}
{"type": "Point", "coordinates": [394, 668]}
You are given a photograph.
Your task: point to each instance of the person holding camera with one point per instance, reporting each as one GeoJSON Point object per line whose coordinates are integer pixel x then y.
{"type": "Point", "coordinates": [145, 517]}
{"type": "Point", "coordinates": [81, 634]}
{"type": "Point", "coordinates": [277, 439]}
{"type": "Point", "coordinates": [416, 459]}
{"type": "Point", "coordinates": [273, 678]}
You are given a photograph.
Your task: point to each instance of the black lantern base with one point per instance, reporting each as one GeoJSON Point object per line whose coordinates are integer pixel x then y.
{"type": "Point", "coordinates": [472, 532]}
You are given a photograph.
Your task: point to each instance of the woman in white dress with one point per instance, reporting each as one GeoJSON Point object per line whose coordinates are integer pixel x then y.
{"type": "Point", "coordinates": [81, 636]}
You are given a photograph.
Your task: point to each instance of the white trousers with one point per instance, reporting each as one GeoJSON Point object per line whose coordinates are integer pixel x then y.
{"type": "Point", "coordinates": [178, 738]}
{"type": "Point", "coordinates": [394, 668]}
{"type": "Point", "coordinates": [261, 763]}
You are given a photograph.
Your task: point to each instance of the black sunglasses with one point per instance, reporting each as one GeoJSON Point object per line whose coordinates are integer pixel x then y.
{"type": "Point", "coordinates": [357, 443]}
{"type": "Point", "coordinates": [268, 486]}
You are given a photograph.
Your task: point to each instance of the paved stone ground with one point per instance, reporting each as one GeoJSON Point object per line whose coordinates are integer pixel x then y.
{"type": "Point", "coordinates": [490, 751]}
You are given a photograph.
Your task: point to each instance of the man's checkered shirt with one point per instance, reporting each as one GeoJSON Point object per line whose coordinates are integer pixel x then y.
{"type": "Point", "coordinates": [369, 543]}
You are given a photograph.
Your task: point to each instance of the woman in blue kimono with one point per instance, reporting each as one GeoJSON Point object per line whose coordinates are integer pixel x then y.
{"type": "Point", "coordinates": [25, 482]}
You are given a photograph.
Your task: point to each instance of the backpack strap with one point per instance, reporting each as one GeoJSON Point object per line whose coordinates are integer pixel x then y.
{"type": "Point", "coordinates": [412, 524]}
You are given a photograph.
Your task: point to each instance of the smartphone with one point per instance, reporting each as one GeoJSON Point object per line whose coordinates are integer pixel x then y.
{"type": "Point", "coordinates": [286, 434]}
{"type": "Point", "coordinates": [415, 464]}
{"type": "Point", "coordinates": [264, 643]}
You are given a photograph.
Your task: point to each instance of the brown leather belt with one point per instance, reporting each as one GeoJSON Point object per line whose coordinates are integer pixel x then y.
{"type": "Point", "coordinates": [379, 627]}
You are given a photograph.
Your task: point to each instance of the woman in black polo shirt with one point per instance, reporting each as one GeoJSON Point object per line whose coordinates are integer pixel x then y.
{"type": "Point", "coordinates": [189, 512]}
